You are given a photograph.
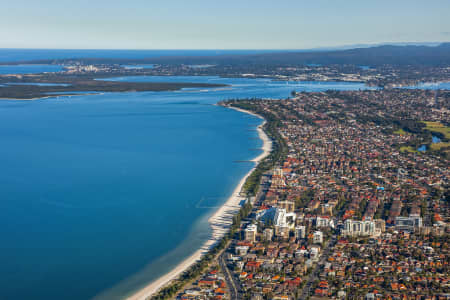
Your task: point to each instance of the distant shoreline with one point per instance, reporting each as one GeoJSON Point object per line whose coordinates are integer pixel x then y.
{"type": "Point", "coordinates": [50, 96]}
{"type": "Point", "coordinates": [41, 86]}
{"type": "Point", "coordinates": [220, 222]}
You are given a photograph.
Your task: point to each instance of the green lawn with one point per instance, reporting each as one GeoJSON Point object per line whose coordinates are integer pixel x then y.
{"type": "Point", "coordinates": [439, 146]}
{"type": "Point", "coordinates": [438, 127]}
{"type": "Point", "coordinates": [400, 132]}
{"type": "Point", "coordinates": [408, 149]}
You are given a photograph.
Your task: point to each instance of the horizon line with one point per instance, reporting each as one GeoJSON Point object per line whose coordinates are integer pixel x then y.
{"type": "Point", "coordinates": [342, 47]}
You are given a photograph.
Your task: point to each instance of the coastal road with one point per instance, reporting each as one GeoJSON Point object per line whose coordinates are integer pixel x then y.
{"type": "Point", "coordinates": [234, 287]}
{"type": "Point", "coordinates": [233, 283]}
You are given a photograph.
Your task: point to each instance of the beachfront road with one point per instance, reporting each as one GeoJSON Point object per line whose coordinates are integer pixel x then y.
{"type": "Point", "coordinates": [234, 287]}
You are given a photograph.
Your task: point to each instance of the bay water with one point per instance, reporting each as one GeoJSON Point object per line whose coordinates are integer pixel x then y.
{"type": "Point", "coordinates": [101, 194]}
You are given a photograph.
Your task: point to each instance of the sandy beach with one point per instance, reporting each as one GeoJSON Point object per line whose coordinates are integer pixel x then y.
{"type": "Point", "coordinates": [220, 222]}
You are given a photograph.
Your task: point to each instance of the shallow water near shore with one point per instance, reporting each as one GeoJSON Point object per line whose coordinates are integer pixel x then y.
{"type": "Point", "coordinates": [95, 188]}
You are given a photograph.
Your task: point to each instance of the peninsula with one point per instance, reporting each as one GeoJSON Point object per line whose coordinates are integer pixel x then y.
{"type": "Point", "coordinates": [35, 86]}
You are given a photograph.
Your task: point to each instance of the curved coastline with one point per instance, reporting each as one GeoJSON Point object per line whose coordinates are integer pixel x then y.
{"type": "Point", "coordinates": [219, 222]}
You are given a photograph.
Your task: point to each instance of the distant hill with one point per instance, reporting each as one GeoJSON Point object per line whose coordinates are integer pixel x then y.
{"type": "Point", "coordinates": [366, 56]}
{"type": "Point", "coordinates": [373, 56]}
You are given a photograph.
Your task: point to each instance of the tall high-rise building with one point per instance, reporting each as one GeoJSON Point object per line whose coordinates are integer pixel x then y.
{"type": "Point", "coordinates": [250, 233]}
{"type": "Point", "coordinates": [363, 228]}
{"type": "Point", "coordinates": [300, 232]}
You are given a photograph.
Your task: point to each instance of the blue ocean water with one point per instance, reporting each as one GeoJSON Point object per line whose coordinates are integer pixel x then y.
{"type": "Point", "coordinates": [100, 194]}
{"type": "Point", "coordinates": [96, 187]}
{"type": "Point", "coordinates": [28, 69]}
{"type": "Point", "coordinates": [10, 55]}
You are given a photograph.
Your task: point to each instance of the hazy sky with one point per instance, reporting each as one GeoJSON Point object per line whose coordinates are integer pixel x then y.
{"type": "Point", "coordinates": [224, 24]}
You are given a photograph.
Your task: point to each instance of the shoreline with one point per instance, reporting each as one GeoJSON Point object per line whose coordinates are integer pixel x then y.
{"type": "Point", "coordinates": [220, 222]}
{"type": "Point", "coordinates": [24, 99]}
{"type": "Point", "coordinates": [50, 96]}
